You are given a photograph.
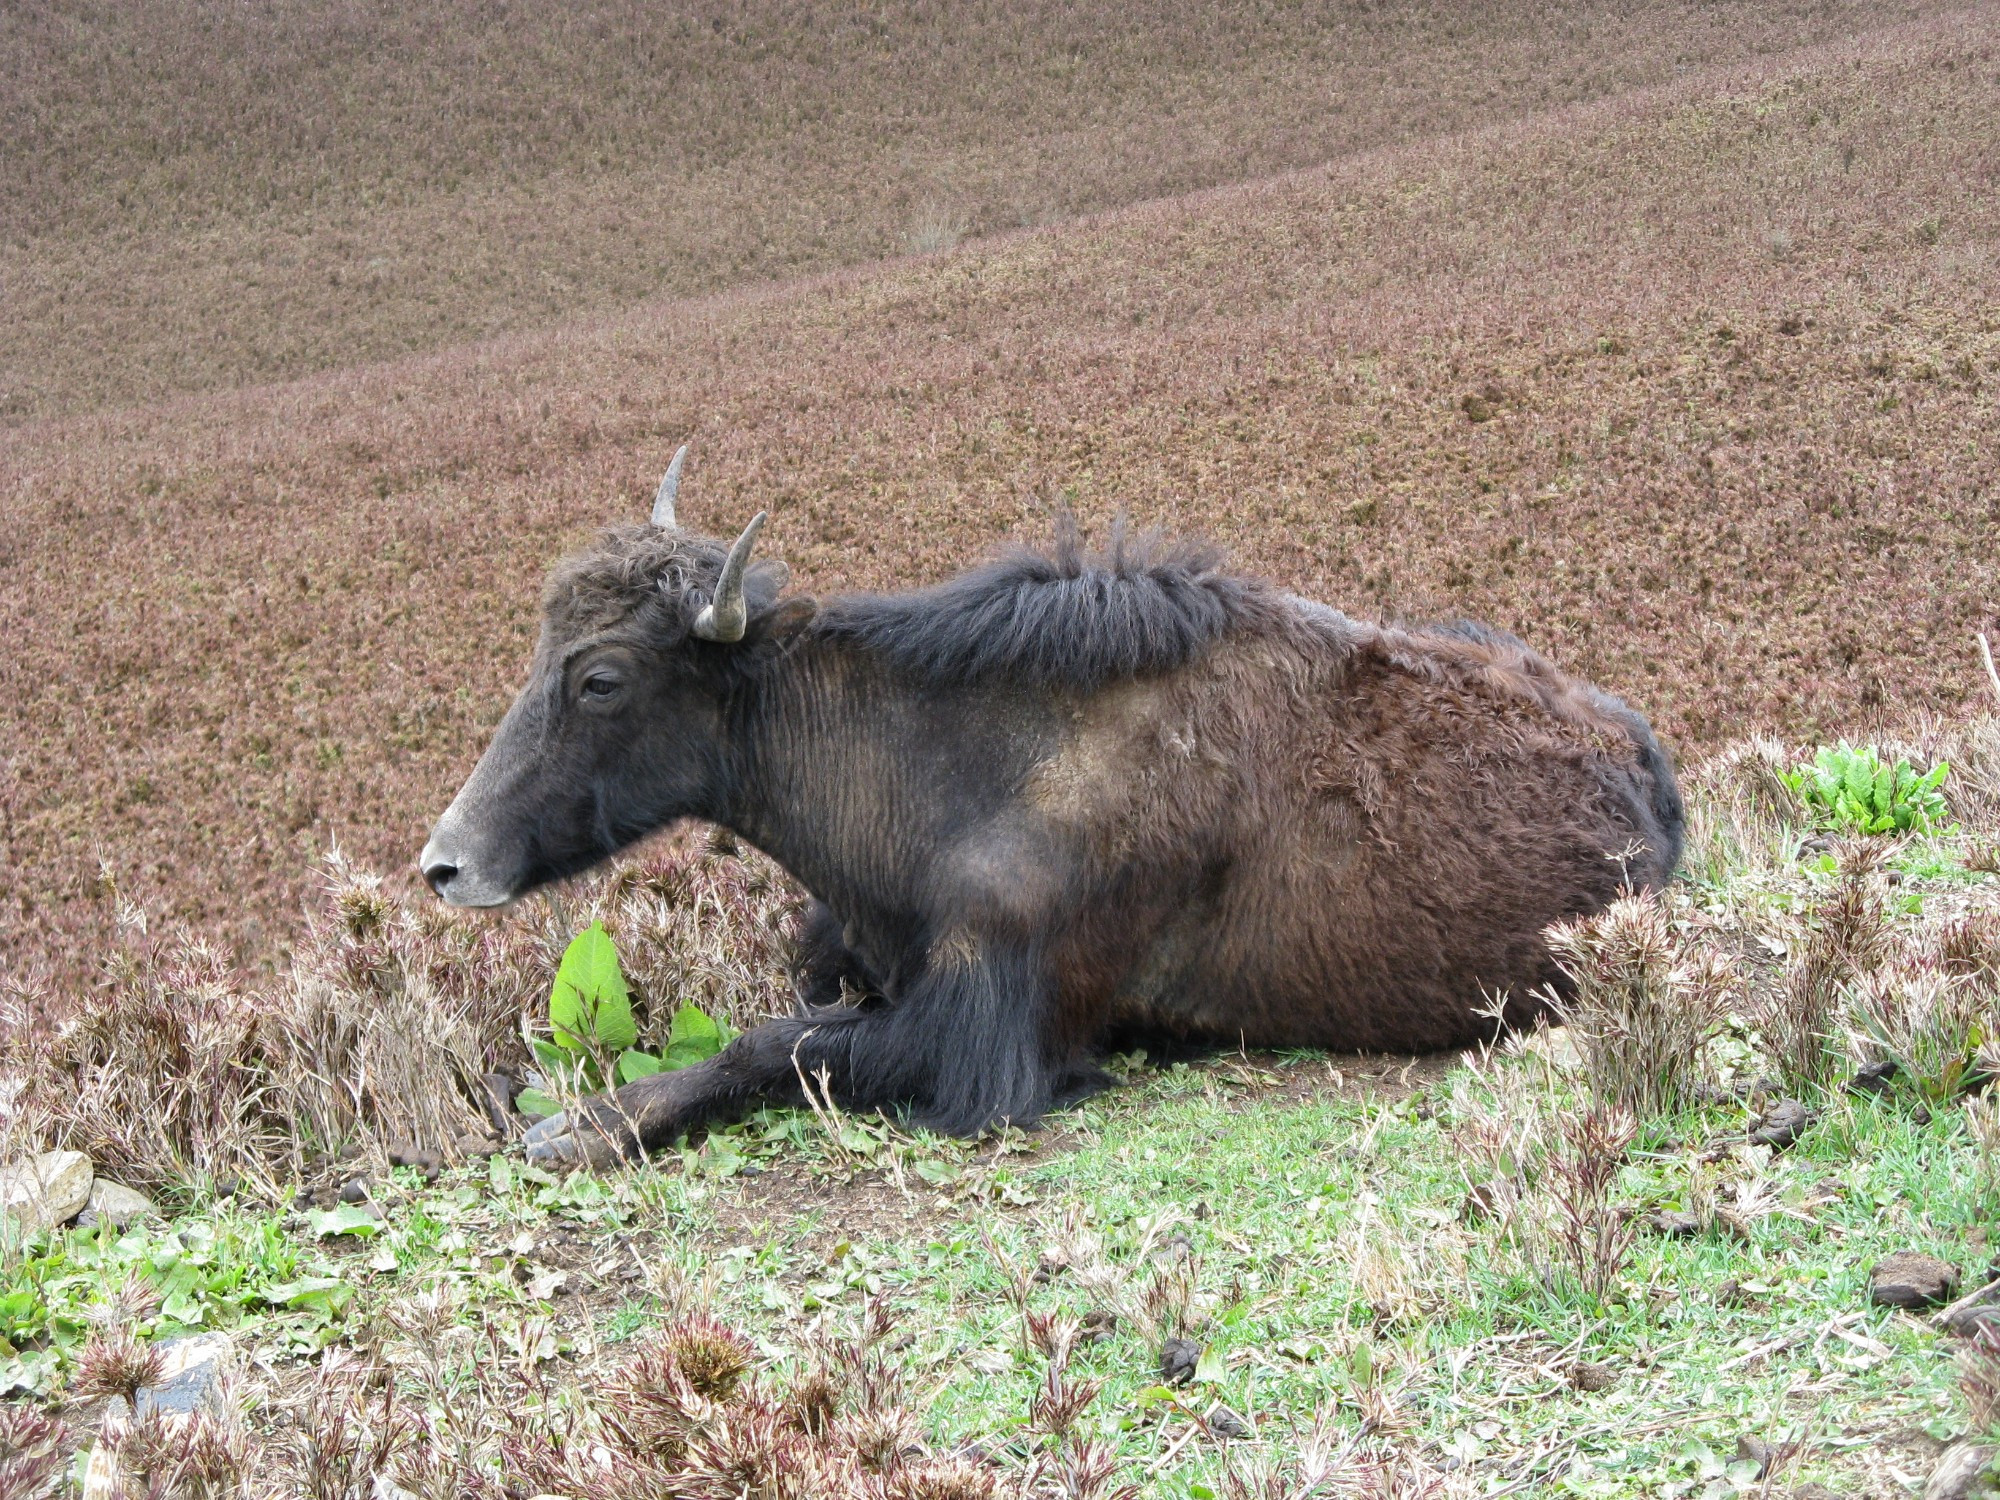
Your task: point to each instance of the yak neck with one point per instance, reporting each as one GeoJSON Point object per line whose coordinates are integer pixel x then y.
{"type": "Point", "coordinates": [818, 772]}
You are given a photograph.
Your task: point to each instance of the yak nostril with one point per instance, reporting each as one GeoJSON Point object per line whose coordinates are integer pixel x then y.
{"type": "Point", "coordinates": [438, 876]}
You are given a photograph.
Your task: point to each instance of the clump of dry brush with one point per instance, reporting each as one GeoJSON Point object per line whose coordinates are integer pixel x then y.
{"type": "Point", "coordinates": [180, 1069]}
{"type": "Point", "coordinates": [688, 1413]}
{"type": "Point", "coordinates": [1646, 999]}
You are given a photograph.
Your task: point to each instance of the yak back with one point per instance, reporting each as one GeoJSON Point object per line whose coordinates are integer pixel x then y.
{"type": "Point", "coordinates": [1068, 618]}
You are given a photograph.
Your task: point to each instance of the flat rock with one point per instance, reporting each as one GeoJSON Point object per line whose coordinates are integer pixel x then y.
{"type": "Point", "coordinates": [1911, 1280]}
{"type": "Point", "coordinates": [115, 1204]}
{"type": "Point", "coordinates": [42, 1191]}
{"type": "Point", "coordinates": [1782, 1124]}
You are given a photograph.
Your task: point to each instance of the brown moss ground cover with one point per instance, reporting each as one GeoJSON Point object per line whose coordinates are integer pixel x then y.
{"type": "Point", "coordinates": [1694, 388]}
{"type": "Point", "coordinates": [194, 194]}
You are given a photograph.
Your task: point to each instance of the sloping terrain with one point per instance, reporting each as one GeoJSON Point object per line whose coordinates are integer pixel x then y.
{"type": "Point", "coordinates": [1693, 388]}
{"type": "Point", "coordinates": [196, 193]}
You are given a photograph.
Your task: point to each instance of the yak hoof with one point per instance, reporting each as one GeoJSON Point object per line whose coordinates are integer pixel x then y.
{"type": "Point", "coordinates": [554, 1143]}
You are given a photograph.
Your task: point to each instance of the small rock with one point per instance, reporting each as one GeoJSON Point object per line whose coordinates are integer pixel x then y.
{"type": "Point", "coordinates": [1588, 1376]}
{"type": "Point", "coordinates": [1178, 1358]}
{"type": "Point", "coordinates": [192, 1375]}
{"type": "Point", "coordinates": [115, 1204]}
{"type": "Point", "coordinates": [1812, 1490]}
{"type": "Point", "coordinates": [1675, 1223]}
{"type": "Point", "coordinates": [1751, 1449]}
{"type": "Point", "coordinates": [1782, 1124]}
{"type": "Point", "coordinates": [1098, 1326]}
{"type": "Point", "coordinates": [1964, 1471]}
{"type": "Point", "coordinates": [1872, 1078]}
{"type": "Point", "coordinates": [43, 1191]}
{"type": "Point", "coordinates": [1225, 1423]}
{"type": "Point", "coordinates": [1920, 1116]}
{"type": "Point", "coordinates": [354, 1190]}
{"type": "Point", "coordinates": [1730, 1293]}
{"type": "Point", "coordinates": [1910, 1280]}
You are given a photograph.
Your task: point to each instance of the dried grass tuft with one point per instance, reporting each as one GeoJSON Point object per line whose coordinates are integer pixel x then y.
{"type": "Point", "coordinates": [1647, 1000]}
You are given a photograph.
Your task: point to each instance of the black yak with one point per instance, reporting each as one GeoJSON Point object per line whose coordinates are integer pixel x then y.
{"type": "Point", "coordinates": [1060, 800]}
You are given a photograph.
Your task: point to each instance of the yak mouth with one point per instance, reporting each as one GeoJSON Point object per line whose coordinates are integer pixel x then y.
{"type": "Point", "coordinates": [460, 875]}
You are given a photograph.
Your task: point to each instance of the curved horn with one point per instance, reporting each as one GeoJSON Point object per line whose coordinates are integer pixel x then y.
{"type": "Point", "coordinates": [727, 618]}
{"type": "Point", "coordinates": [663, 503]}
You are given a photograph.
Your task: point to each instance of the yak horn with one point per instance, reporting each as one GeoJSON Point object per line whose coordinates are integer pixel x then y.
{"type": "Point", "coordinates": [663, 503]}
{"type": "Point", "coordinates": [727, 618]}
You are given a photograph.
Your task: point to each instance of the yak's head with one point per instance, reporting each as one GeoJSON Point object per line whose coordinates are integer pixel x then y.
{"type": "Point", "coordinates": [621, 728]}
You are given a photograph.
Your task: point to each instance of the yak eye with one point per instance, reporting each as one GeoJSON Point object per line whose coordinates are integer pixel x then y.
{"type": "Point", "coordinates": [599, 685]}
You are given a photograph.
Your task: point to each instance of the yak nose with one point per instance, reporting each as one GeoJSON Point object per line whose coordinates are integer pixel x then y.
{"type": "Point", "coordinates": [440, 867]}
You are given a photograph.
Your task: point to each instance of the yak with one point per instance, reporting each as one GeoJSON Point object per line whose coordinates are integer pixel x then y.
{"type": "Point", "coordinates": [1066, 801]}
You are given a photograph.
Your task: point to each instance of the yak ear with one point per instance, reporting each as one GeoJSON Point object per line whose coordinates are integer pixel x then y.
{"type": "Point", "coordinates": [784, 619]}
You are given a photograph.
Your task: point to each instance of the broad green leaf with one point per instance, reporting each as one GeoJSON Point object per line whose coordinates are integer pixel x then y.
{"type": "Point", "coordinates": [1211, 1367]}
{"type": "Point", "coordinates": [589, 1005]}
{"type": "Point", "coordinates": [348, 1218]}
{"type": "Point", "coordinates": [635, 1064]}
{"type": "Point", "coordinates": [536, 1105]}
{"type": "Point", "coordinates": [693, 1038]}
{"type": "Point", "coordinates": [326, 1294]}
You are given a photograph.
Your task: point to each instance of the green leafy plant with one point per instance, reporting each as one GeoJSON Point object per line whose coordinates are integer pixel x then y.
{"type": "Point", "coordinates": [1851, 789]}
{"type": "Point", "coordinates": [594, 1034]}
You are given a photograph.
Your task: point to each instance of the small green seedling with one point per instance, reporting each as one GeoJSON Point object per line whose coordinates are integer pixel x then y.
{"type": "Point", "coordinates": [1851, 789]}
{"type": "Point", "coordinates": [593, 1033]}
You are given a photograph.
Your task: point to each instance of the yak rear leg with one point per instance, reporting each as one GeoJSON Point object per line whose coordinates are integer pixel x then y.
{"type": "Point", "coordinates": [970, 1045]}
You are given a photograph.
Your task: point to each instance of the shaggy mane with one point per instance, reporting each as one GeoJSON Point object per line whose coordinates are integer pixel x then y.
{"type": "Point", "coordinates": [1066, 618]}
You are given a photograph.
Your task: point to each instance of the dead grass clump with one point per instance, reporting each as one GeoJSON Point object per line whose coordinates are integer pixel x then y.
{"type": "Point", "coordinates": [1799, 1018]}
{"type": "Point", "coordinates": [183, 1070]}
{"type": "Point", "coordinates": [31, 1451]}
{"type": "Point", "coordinates": [1647, 999]}
{"type": "Point", "coordinates": [1585, 1231]}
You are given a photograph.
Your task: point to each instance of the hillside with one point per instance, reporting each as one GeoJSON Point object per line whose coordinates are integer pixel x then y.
{"type": "Point", "coordinates": [1693, 388]}
{"type": "Point", "coordinates": [197, 194]}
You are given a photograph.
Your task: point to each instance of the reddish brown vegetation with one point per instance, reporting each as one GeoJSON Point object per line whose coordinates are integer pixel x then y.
{"type": "Point", "coordinates": [194, 194]}
{"type": "Point", "coordinates": [1693, 389]}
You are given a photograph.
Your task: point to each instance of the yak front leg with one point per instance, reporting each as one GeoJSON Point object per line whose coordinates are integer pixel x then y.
{"type": "Point", "coordinates": [968, 1046]}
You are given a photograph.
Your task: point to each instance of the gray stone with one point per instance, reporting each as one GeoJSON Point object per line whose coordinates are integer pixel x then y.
{"type": "Point", "coordinates": [117, 1205]}
{"type": "Point", "coordinates": [193, 1373]}
{"type": "Point", "coordinates": [42, 1191]}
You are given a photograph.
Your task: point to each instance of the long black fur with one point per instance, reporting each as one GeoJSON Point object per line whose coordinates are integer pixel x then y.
{"type": "Point", "coordinates": [1067, 618]}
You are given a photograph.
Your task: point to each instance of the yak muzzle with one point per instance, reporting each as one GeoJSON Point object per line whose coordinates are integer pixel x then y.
{"type": "Point", "coordinates": [457, 877]}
